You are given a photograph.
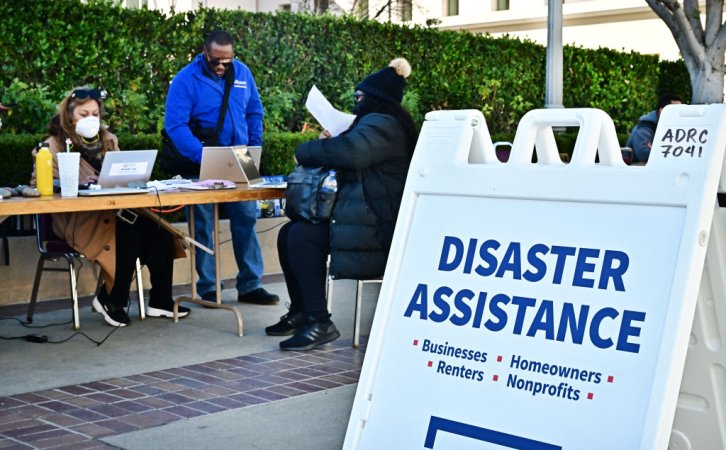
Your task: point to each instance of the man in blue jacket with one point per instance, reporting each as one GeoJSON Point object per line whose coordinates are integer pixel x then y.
{"type": "Point", "coordinates": [194, 101]}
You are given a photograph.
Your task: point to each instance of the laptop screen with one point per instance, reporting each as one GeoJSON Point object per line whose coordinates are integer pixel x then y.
{"type": "Point", "coordinates": [120, 168]}
{"type": "Point", "coordinates": [229, 163]}
{"type": "Point", "coordinates": [248, 165]}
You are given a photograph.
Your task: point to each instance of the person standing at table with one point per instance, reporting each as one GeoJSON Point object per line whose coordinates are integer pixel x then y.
{"type": "Point", "coordinates": [101, 236]}
{"type": "Point", "coordinates": [194, 101]}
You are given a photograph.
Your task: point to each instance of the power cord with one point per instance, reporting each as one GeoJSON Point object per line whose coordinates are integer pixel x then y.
{"type": "Point", "coordinates": [42, 338]}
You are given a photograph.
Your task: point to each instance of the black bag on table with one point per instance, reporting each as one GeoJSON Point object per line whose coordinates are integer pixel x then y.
{"type": "Point", "coordinates": [172, 161]}
{"type": "Point", "coordinates": [304, 198]}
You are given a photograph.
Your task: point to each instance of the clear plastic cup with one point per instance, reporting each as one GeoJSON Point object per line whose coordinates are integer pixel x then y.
{"type": "Point", "coordinates": [68, 168]}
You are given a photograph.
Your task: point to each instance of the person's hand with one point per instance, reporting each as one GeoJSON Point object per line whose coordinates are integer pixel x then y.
{"type": "Point", "coordinates": [90, 179]}
{"type": "Point", "coordinates": [325, 134]}
{"type": "Point", "coordinates": [4, 108]}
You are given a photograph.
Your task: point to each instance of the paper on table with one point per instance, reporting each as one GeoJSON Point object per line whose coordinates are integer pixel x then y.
{"type": "Point", "coordinates": [330, 118]}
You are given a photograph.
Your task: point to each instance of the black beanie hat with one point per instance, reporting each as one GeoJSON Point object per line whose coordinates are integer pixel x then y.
{"type": "Point", "coordinates": [388, 83]}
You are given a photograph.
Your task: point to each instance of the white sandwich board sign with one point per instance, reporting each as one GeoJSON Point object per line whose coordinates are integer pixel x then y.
{"type": "Point", "coordinates": [540, 305]}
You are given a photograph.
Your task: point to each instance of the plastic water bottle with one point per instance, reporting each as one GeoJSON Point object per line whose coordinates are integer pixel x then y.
{"type": "Point", "coordinates": [44, 170]}
{"type": "Point", "coordinates": [330, 183]}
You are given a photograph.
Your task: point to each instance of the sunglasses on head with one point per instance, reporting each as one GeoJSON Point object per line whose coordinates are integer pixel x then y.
{"type": "Point", "coordinates": [216, 62]}
{"type": "Point", "coordinates": [82, 94]}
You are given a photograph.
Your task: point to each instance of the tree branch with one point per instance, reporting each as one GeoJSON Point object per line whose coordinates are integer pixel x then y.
{"type": "Point", "coordinates": [719, 40]}
{"type": "Point", "coordinates": [671, 12]}
{"type": "Point", "coordinates": [383, 8]}
{"type": "Point", "coordinates": [693, 14]}
{"type": "Point", "coordinates": [714, 20]}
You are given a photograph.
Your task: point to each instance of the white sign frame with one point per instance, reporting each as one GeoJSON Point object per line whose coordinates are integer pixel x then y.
{"type": "Point", "coordinates": [455, 158]}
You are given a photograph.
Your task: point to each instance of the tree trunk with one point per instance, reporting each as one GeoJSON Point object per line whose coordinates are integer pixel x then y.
{"type": "Point", "coordinates": [707, 80]}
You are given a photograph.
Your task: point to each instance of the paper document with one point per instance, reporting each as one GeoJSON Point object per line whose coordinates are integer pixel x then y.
{"type": "Point", "coordinates": [330, 118]}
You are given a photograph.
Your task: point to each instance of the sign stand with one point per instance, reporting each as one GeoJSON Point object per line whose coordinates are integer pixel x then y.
{"type": "Point", "coordinates": [540, 305]}
{"type": "Point", "coordinates": [700, 421]}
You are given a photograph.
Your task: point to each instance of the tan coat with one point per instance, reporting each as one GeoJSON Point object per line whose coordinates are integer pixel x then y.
{"type": "Point", "coordinates": [92, 233]}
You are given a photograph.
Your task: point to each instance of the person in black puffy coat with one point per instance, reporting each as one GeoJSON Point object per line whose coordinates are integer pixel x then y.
{"type": "Point", "coordinates": [371, 161]}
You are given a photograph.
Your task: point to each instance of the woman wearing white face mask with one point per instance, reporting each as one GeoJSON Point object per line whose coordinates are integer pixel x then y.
{"type": "Point", "coordinates": [99, 235]}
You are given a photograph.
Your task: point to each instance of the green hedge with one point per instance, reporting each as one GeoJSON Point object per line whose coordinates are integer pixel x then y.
{"type": "Point", "coordinates": [51, 46]}
{"type": "Point", "coordinates": [17, 167]}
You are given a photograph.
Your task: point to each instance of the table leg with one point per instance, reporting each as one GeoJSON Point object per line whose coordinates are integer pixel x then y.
{"type": "Point", "coordinates": [192, 254]}
{"type": "Point", "coordinates": [218, 279]}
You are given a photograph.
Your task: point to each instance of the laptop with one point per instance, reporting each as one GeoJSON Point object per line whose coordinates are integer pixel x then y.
{"type": "Point", "coordinates": [123, 172]}
{"type": "Point", "coordinates": [234, 164]}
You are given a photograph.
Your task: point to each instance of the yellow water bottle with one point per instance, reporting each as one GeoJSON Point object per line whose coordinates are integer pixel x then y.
{"type": "Point", "coordinates": [44, 169]}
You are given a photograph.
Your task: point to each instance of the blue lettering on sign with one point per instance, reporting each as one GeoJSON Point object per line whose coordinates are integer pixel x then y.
{"type": "Point", "coordinates": [529, 317]}
{"type": "Point", "coordinates": [538, 262]}
{"type": "Point", "coordinates": [589, 268]}
{"type": "Point", "coordinates": [437, 424]}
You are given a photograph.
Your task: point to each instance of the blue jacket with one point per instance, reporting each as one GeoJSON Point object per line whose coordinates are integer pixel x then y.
{"type": "Point", "coordinates": [641, 138]}
{"type": "Point", "coordinates": [196, 97]}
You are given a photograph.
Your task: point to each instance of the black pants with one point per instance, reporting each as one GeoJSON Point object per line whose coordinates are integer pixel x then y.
{"type": "Point", "coordinates": [146, 240]}
{"type": "Point", "coordinates": [303, 251]}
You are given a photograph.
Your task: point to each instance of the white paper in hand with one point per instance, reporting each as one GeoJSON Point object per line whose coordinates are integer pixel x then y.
{"type": "Point", "coordinates": [330, 118]}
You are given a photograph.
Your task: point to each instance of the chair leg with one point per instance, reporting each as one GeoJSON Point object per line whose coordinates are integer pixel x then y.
{"type": "Point", "coordinates": [74, 291]}
{"type": "Point", "coordinates": [6, 250]}
{"type": "Point", "coordinates": [356, 317]}
{"type": "Point", "coordinates": [329, 286]}
{"type": "Point", "coordinates": [36, 285]}
{"type": "Point", "coordinates": [329, 294]}
{"type": "Point", "coordinates": [140, 290]}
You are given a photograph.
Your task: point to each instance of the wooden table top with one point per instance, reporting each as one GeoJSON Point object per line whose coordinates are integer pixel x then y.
{"type": "Point", "coordinates": [57, 204]}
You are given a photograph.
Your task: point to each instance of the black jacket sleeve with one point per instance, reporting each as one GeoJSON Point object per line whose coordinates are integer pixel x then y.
{"type": "Point", "coordinates": [365, 145]}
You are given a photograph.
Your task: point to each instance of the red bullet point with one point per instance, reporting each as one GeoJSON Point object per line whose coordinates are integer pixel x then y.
{"type": "Point", "coordinates": [431, 363]}
{"type": "Point", "coordinates": [415, 342]}
{"type": "Point", "coordinates": [589, 395]}
{"type": "Point", "coordinates": [499, 358]}
{"type": "Point", "coordinates": [495, 378]}
{"type": "Point", "coordinates": [611, 378]}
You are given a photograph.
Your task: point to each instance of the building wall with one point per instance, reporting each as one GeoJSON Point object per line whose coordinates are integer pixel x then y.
{"type": "Point", "coordinates": [628, 25]}
{"type": "Point", "coordinates": [624, 25]}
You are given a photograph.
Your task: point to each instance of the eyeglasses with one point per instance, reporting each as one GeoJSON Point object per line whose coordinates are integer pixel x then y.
{"type": "Point", "coordinates": [216, 62]}
{"type": "Point", "coordinates": [96, 94]}
{"type": "Point", "coordinates": [358, 96]}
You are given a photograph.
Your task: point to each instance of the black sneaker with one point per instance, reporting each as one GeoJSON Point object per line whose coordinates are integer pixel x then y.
{"type": "Point", "coordinates": [114, 316]}
{"type": "Point", "coordinates": [313, 335]}
{"type": "Point", "coordinates": [210, 296]}
{"type": "Point", "coordinates": [288, 325]}
{"type": "Point", "coordinates": [167, 312]}
{"type": "Point", "coordinates": [259, 297]}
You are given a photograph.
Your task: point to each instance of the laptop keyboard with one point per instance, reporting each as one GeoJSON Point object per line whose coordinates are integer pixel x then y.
{"type": "Point", "coordinates": [112, 191]}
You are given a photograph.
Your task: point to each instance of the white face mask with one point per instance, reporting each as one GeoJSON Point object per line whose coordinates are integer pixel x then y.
{"type": "Point", "coordinates": [88, 127]}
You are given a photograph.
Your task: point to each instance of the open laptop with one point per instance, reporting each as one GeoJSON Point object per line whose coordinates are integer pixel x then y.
{"type": "Point", "coordinates": [234, 164]}
{"type": "Point", "coordinates": [123, 172]}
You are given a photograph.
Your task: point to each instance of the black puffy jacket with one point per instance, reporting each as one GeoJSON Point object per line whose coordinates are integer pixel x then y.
{"type": "Point", "coordinates": [371, 162]}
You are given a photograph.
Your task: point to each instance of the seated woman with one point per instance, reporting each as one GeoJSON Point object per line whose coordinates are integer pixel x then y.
{"type": "Point", "coordinates": [99, 235]}
{"type": "Point", "coordinates": [371, 161]}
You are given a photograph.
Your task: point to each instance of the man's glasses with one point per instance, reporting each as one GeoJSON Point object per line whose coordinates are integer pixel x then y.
{"type": "Point", "coordinates": [358, 96]}
{"type": "Point", "coordinates": [82, 94]}
{"type": "Point", "coordinates": [216, 62]}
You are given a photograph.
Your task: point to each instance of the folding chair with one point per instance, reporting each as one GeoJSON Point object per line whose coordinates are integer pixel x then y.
{"type": "Point", "coordinates": [53, 248]}
{"type": "Point", "coordinates": [358, 298]}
